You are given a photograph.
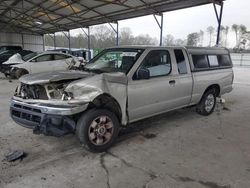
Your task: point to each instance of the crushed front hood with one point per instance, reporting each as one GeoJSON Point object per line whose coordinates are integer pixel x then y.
{"type": "Point", "coordinates": [48, 77]}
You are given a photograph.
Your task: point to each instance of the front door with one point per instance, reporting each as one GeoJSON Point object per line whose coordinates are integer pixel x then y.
{"type": "Point", "coordinates": [163, 90]}
{"type": "Point", "coordinates": [42, 63]}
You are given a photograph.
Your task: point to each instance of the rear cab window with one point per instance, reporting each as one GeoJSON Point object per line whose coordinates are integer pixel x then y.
{"type": "Point", "coordinates": [207, 61]}
{"type": "Point", "coordinates": [200, 61]}
{"type": "Point", "coordinates": [224, 60]}
{"type": "Point", "coordinates": [213, 60]}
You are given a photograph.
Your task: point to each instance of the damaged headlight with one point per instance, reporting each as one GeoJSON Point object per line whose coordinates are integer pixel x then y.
{"type": "Point", "coordinates": [67, 96]}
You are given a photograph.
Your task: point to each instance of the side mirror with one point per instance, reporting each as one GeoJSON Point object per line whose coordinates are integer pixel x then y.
{"type": "Point", "coordinates": [143, 74]}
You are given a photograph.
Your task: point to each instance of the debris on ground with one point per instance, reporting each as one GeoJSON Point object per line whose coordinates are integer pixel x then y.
{"type": "Point", "coordinates": [15, 155]}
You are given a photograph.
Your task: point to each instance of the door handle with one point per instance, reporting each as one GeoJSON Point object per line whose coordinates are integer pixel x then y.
{"type": "Point", "coordinates": [172, 82]}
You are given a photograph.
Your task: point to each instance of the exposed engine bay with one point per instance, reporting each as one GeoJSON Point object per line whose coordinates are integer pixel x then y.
{"type": "Point", "coordinates": [45, 92]}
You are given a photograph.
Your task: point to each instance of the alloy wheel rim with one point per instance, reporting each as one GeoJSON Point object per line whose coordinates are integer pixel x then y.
{"type": "Point", "coordinates": [101, 130]}
{"type": "Point", "coordinates": [209, 103]}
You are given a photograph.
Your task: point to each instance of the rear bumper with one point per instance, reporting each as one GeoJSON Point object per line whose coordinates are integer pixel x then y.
{"type": "Point", "coordinates": [48, 120]}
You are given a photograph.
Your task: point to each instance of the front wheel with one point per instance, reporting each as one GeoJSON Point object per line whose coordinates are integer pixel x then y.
{"type": "Point", "coordinates": [207, 103]}
{"type": "Point", "coordinates": [97, 129]}
{"type": "Point", "coordinates": [20, 72]}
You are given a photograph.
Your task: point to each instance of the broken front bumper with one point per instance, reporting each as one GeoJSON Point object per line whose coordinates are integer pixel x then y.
{"type": "Point", "coordinates": [47, 119]}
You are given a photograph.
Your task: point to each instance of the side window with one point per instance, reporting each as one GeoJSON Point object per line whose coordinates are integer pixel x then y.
{"type": "Point", "coordinates": [200, 61]}
{"type": "Point", "coordinates": [47, 57]}
{"type": "Point", "coordinates": [224, 60]}
{"type": "Point", "coordinates": [158, 63]}
{"type": "Point", "coordinates": [181, 62]}
{"type": "Point", "coordinates": [213, 61]}
{"type": "Point", "coordinates": [60, 56]}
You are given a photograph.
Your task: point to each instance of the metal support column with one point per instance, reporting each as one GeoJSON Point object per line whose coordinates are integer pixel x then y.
{"type": "Point", "coordinates": [160, 24]}
{"type": "Point", "coordinates": [88, 38]}
{"type": "Point", "coordinates": [89, 43]}
{"type": "Point", "coordinates": [116, 32]}
{"type": "Point", "coordinates": [22, 40]}
{"type": "Point", "coordinates": [219, 19]}
{"type": "Point", "coordinates": [43, 42]}
{"type": "Point", "coordinates": [69, 39]}
{"type": "Point", "coordinates": [54, 41]}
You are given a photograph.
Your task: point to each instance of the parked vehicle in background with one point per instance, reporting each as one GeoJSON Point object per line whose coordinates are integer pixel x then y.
{"type": "Point", "coordinates": [119, 86]}
{"type": "Point", "coordinates": [7, 51]}
{"type": "Point", "coordinates": [6, 54]}
{"type": "Point", "coordinates": [85, 54]}
{"type": "Point", "coordinates": [12, 58]}
{"type": "Point", "coordinates": [4, 48]}
{"type": "Point", "coordinates": [44, 62]}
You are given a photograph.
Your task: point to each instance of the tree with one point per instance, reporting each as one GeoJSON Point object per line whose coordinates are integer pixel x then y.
{"type": "Point", "coordinates": [201, 33]}
{"type": "Point", "coordinates": [193, 39]}
{"type": "Point", "coordinates": [125, 36]}
{"type": "Point", "coordinates": [211, 31]}
{"type": "Point", "coordinates": [224, 33]}
{"type": "Point", "coordinates": [236, 28]}
{"type": "Point", "coordinates": [168, 40]}
{"type": "Point", "coordinates": [180, 42]}
{"type": "Point", "coordinates": [239, 31]}
{"type": "Point", "coordinates": [145, 40]}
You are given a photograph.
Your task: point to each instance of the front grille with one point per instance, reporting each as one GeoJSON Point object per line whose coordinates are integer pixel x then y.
{"type": "Point", "coordinates": [27, 113]}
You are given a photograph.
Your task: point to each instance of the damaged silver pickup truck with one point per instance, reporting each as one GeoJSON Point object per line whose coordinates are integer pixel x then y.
{"type": "Point", "coordinates": [119, 86]}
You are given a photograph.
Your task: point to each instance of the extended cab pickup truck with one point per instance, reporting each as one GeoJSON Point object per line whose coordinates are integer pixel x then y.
{"type": "Point", "coordinates": [119, 86]}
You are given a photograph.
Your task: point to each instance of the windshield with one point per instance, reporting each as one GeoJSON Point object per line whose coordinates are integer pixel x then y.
{"type": "Point", "coordinates": [114, 60]}
{"type": "Point", "coordinates": [29, 56]}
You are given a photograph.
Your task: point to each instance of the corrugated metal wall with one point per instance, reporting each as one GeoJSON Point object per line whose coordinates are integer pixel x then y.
{"type": "Point", "coordinates": [27, 41]}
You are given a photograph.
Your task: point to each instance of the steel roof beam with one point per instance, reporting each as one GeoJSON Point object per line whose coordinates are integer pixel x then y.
{"type": "Point", "coordinates": [219, 19]}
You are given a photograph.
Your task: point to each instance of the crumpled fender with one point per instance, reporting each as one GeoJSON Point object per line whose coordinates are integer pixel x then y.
{"type": "Point", "coordinates": [114, 84]}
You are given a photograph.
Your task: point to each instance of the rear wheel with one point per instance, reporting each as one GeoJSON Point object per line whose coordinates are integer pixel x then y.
{"type": "Point", "coordinates": [207, 103]}
{"type": "Point", "coordinates": [20, 72]}
{"type": "Point", "coordinates": [97, 129]}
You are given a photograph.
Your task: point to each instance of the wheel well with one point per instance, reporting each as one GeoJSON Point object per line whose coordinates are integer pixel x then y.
{"type": "Point", "coordinates": [216, 87]}
{"type": "Point", "coordinates": [21, 69]}
{"type": "Point", "coordinates": [107, 102]}
{"type": "Point", "coordinates": [24, 70]}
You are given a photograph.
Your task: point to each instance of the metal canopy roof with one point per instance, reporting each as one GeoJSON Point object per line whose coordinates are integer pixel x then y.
{"type": "Point", "coordinates": [49, 16]}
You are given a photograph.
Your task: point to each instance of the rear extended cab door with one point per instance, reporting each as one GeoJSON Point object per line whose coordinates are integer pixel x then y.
{"type": "Point", "coordinates": [163, 92]}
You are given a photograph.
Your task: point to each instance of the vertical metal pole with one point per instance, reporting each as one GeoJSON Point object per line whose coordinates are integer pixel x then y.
{"type": "Point", "coordinates": [117, 34]}
{"type": "Point", "coordinates": [241, 59]}
{"type": "Point", "coordinates": [89, 54]}
{"type": "Point", "coordinates": [69, 39]}
{"type": "Point", "coordinates": [43, 42]}
{"type": "Point", "coordinates": [54, 41]}
{"type": "Point", "coordinates": [22, 40]}
{"type": "Point", "coordinates": [160, 24]}
{"type": "Point", "coordinates": [219, 23]}
{"type": "Point", "coordinates": [161, 28]}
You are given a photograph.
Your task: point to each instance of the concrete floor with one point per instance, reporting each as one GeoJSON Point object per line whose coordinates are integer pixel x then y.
{"type": "Point", "coordinates": [180, 149]}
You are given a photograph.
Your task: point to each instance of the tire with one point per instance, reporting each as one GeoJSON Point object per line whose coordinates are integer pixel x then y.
{"type": "Point", "coordinates": [97, 129]}
{"type": "Point", "coordinates": [207, 103]}
{"type": "Point", "coordinates": [20, 72]}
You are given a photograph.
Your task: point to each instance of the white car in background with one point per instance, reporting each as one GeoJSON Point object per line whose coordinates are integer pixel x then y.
{"type": "Point", "coordinates": [44, 62]}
